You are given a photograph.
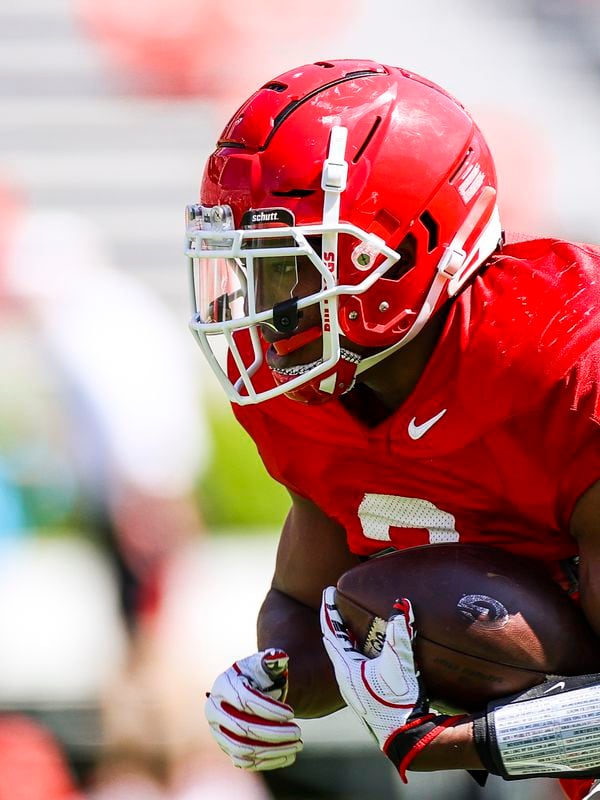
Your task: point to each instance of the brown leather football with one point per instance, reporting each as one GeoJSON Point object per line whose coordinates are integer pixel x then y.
{"type": "Point", "coordinates": [488, 623]}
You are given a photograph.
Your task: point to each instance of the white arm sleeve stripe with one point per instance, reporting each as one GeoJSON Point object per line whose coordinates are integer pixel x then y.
{"type": "Point", "coordinates": [551, 730]}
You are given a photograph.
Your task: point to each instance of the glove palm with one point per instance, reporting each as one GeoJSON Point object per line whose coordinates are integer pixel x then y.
{"type": "Point", "coordinates": [385, 692]}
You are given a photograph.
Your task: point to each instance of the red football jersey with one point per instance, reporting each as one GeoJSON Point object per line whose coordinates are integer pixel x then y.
{"type": "Point", "coordinates": [496, 443]}
{"type": "Point", "coordinates": [498, 439]}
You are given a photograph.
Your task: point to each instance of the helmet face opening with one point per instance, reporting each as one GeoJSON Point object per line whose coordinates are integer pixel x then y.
{"type": "Point", "coordinates": [240, 274]}
{"type": "Point", "coordinates": [345, 205]}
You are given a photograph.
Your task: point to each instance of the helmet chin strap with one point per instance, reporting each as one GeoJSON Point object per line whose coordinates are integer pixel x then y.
{"type": "Point", "coordinates": [285, 346]}
{"type": "Point", "coordinates": [453, 270]}
{"type": "Point", "coordinates": [344, 373]}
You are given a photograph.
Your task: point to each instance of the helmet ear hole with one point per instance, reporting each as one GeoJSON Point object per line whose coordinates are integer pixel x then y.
{"type": "Point", "coordinates": [407, 250]}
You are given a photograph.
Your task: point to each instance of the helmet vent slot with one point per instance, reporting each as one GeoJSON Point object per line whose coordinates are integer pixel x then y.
{"type": "Point", "coordinates": [229, 143]}
{"type": "Point", "coordinates": [407, 250]}
{"type": "Point", "coordinates": [433, 230]}
{"type": "Point", "coordinates": [276, 87]}
{"type": "Point", "coordinates": [295, 193]}
{"type": "Point", "coordinates": [294, 104]}
{"type": "Point", "coordinates": [368, 138]}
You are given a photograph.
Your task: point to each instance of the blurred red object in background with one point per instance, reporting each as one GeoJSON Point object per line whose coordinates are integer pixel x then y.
{"type": "Point", "coordinates": [12, 205]}
{"type": "Point", "coordinates": [192, 47]}
{"type": "Point", "coordinates": [526, 170]}
{"type": "Point", "coordinates": [32, 766]}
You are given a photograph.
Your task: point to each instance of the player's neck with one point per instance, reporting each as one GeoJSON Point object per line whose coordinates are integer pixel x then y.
{"type": "Point", "coordinates": [394, 378]}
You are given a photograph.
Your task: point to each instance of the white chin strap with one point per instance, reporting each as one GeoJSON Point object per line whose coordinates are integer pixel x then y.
{"type": "Point", "coordinates": [454, 268]}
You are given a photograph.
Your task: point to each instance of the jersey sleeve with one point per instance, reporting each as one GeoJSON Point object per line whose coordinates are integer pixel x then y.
{"type": "Point", "coordinates": [575, 434]}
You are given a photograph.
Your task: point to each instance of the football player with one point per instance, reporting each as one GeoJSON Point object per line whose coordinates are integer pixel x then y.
{"type": "Point", "coordinates": [411, 378]}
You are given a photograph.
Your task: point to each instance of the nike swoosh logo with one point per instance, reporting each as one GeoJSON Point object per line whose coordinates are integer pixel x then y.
{"type": "Point", "coordinates": [416, 431]}
{"type": "Point", "coordinates": [559, 685]}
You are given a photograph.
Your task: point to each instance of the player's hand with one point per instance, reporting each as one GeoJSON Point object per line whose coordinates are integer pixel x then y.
{"type": "Point", "coordinates": [385, 692]}
{"type": "Point", "coordinates": [248, 716]}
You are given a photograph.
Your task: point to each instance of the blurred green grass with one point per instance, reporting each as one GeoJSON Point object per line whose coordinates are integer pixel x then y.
{"type": "Point", "coordinates": [236, 491]}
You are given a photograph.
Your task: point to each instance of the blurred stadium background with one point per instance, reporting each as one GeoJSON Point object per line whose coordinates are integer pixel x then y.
{"type": "Point", "coordinates": [137, 528]}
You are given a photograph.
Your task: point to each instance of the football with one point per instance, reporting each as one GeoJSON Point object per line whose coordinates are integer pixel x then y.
{"type": "Point", "coordinates": [488, 623]}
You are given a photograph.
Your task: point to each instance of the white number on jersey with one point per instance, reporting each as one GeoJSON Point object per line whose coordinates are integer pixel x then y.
{"type": "Point", "coordinates": [379, 513]}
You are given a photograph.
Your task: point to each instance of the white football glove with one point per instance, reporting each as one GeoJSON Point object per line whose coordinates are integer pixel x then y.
{"type": "Point", "coordinates": [248, 716]}
{"type": "Point", "coordinates": [385, 692]}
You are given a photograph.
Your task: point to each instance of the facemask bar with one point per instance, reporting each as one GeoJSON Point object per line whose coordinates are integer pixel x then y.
{"type": "Point", "coordinates": [210, 234]}
{"type": "Point", "coordinates": [198, 243]}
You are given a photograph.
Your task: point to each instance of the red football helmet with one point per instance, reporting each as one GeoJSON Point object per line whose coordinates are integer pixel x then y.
{"type": "Point", "coordinates": [345, 199]}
